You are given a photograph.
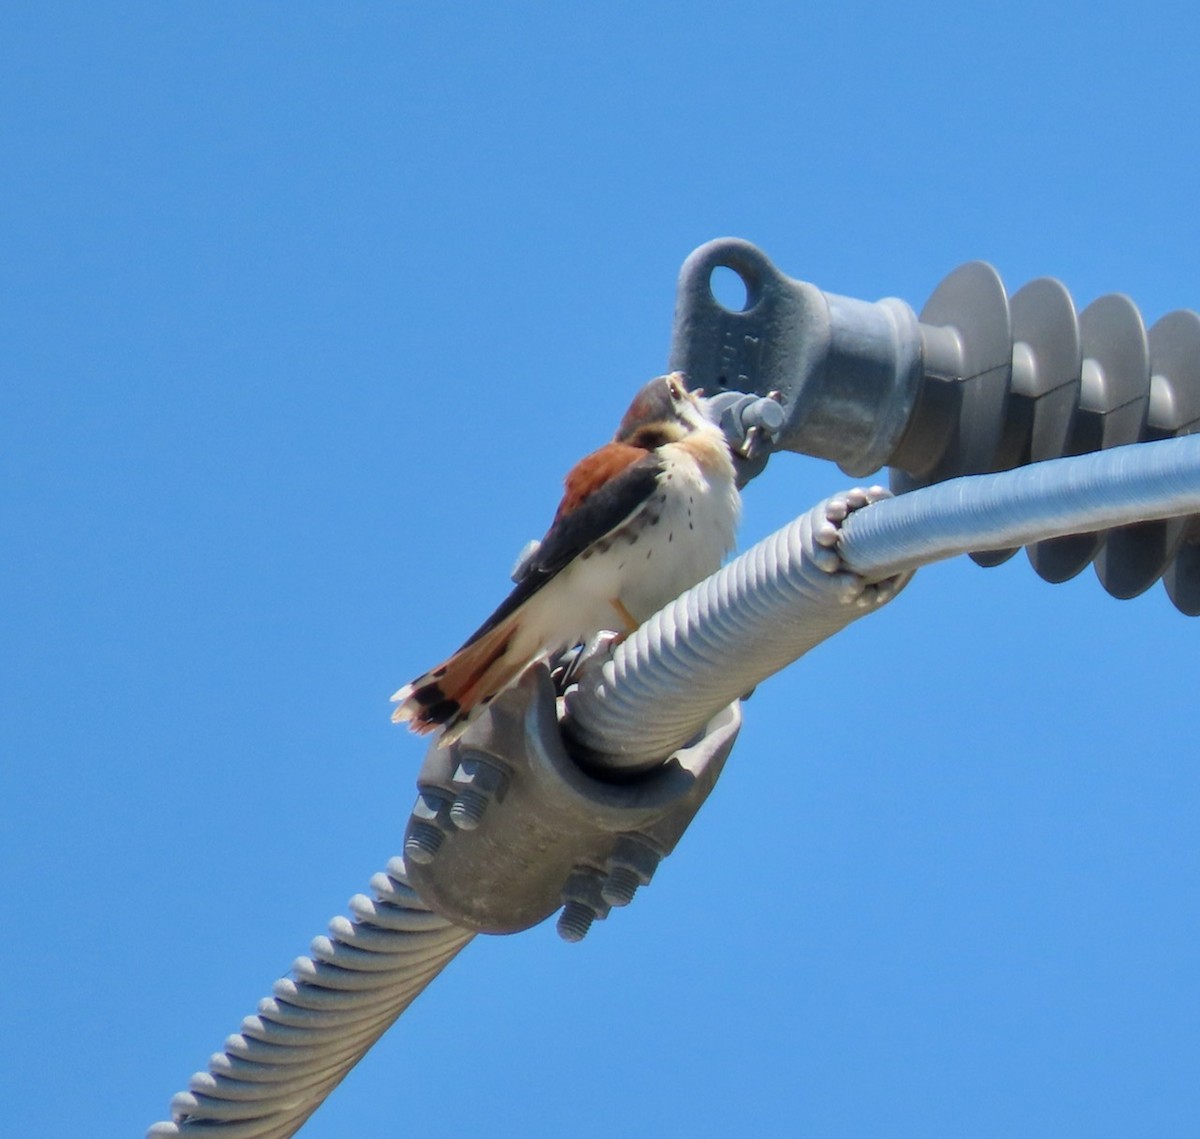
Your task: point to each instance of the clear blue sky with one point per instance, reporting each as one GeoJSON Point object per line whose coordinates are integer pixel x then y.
{"type": "Point", "coordinates": [307, 308]}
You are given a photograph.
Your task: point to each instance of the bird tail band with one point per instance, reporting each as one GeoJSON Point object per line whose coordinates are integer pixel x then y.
{"type": "Point", "coordinates": [451, 695]}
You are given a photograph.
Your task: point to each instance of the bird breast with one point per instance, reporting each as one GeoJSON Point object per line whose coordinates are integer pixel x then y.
{"type": "Point", "coordinates": [678, 537]}
{"type": "Point", "coordinates": [681, 535]}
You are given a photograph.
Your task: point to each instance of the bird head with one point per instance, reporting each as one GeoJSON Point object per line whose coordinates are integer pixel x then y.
{"type": "Point", "coordinates": [664, 411]}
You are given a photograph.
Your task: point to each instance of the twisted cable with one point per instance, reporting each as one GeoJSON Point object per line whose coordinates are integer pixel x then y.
{"type": "Point", "coordinates": [1138, 482]}
{"type": "Point", "coordinates": [319, 1022]}
{"type": "Point", "coordinates": [717, 641]}
{"type": "Point", "coordinates": [797, 587]}
{"type": "Point", "coordinates": [837, 562]}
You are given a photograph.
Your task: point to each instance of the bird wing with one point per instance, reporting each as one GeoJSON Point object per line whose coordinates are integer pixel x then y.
{"type": "Point", "coordinates": [603, 492]}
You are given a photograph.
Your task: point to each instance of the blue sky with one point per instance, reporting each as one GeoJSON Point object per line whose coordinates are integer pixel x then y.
{"type": "Point", "coordinates": [306, 311]}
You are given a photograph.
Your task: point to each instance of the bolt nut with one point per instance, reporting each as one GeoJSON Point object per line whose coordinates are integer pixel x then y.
{"type": "Point", "coordinates": [574, 921]}
{"type": "Point", "coordinates": [631, 864]}
{"type": "Point", "coordinates": [466, 812]}
{"type": "Point", "coordinates": [583, 903]}
{"type": "Point", "coordinates": [426, 827]}
{"type": "Point", "coordinates": [423, 842]}
{"type": "Point", "coordinates": [620, 886]}
{"type": "Point", "coordinates": [477, 780]}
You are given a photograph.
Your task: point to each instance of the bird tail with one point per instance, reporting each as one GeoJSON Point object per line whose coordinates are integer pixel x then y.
{"type": "Point", "coordinates": [454, 693]}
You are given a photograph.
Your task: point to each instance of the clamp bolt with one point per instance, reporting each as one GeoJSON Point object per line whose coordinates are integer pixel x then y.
{"type": "Point", "coordinates": [583, 903]}
{"type": "Point", "coordinates": [426, 831]}
{"type": "Point", "coordinates": [575, 921]}
{"type": "Point", "coordinates": [478, 780]}
{"type": "Point", "coordinates": [631, 864]}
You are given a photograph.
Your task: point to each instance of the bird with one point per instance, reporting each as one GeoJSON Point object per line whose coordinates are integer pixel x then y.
{"type": "Point", "coordinates": [641, 520]}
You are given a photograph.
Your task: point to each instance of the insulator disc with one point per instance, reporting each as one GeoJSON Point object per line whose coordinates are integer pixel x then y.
{"type": "Point", "coordinates": [1135, 557]}
{"type": "Point", "coordinates": [1047, 361]}
{"type": "Point", "coordinates": [971, 301]}
{"type": "Point", "coordinates": [1175, 410]}
{"type": "Point", "coordinates": [1114, 394]}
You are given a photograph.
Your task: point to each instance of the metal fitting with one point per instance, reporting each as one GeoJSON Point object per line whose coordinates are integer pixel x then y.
{"type": "Point", "coordinates": [979, 382]}
{"type": "Point", "coordinates": [631, 865]}
{"type": "Point", "coordinates": [479, 779]}
{"type": "Point", "coordinates": [426, 827]}
{"type": "Point", "coordinates": [583, 903]}
{"type": "Point", "coordinates": [542, 829]}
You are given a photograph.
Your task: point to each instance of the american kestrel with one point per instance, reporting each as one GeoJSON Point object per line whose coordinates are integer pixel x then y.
{"type": "Point", "coordinates": [641, 520]}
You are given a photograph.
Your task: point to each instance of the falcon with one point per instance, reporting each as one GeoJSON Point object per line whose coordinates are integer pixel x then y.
{"type": "Point", "coordinates": [642, 519]}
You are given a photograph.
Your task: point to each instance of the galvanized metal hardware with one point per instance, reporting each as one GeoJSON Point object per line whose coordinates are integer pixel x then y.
{"type": "Point", "coordinates": [751, 424]}
{"type": "Point", "coordinates": [847, 372]}
{"type": "Point", "coordinates": [508, 826]}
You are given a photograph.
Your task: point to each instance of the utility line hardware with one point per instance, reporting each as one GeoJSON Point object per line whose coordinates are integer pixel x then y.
{"type": "Point", "coordinates": [979, 382]}
{"type": "Point", "coordinates": [531, 809]}
{"type": "Point", "coordinates": [508, 826]}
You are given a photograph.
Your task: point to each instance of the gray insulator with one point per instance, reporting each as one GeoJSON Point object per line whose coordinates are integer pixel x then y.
{"type": "Point", "coordinates": [1134, 557]}
{"type": "Point", "coordinates": [979, 383]}
{"type": "Point", "coordinates": [319, 1023]}
{"type": "Point", "coordinates": [1113, 397]}
{"type": "Point", "coordinates": [958, 422]}
{"type": "Point", "coordinates": [1059, 383]}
